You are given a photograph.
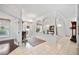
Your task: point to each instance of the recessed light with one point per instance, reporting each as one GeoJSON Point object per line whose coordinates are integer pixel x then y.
{"type": "Point", "coordinates": [59, 25]}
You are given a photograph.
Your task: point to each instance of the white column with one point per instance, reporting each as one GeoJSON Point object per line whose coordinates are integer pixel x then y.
{"type": "Point", "coordinates": [20, 29]}
{"type": "Point", "coordinates": [77, 24]}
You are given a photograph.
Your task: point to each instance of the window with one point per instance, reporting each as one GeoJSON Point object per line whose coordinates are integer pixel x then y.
{"type": "Point", "coordinates": [4, 27]}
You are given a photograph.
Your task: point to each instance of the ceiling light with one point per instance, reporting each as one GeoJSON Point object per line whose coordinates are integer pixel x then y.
{"type": "Point", "coordinates": [47, 26]}
{"type": "Point", "coordinates": [59, 25]}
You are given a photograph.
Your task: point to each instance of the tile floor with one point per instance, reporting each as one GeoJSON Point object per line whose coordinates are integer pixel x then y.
{"type": "Point", "coordinates": [62, 47]}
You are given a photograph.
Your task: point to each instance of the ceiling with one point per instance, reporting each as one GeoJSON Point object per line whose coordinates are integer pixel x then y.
{"type": "Point", "coordinates": [34, 10]}
{"type": "Point", "coordinates": [67, 10]}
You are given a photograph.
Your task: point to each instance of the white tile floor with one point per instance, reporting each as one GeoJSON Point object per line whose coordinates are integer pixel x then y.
{"type": "Point", "coordinates": [63, 47]}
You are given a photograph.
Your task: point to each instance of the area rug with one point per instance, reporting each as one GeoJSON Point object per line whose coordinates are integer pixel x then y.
{"type": "Point", "coordinates": [35, 41]}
